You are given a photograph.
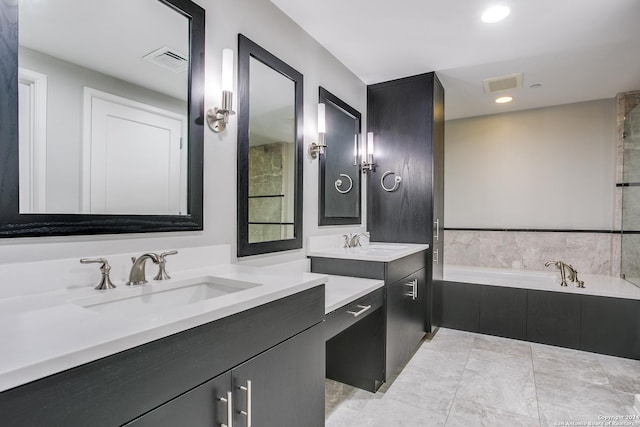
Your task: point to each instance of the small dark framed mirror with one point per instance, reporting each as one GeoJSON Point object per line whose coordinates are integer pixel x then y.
{"type": "Point", "coordinates": [339, 170]}
{"type": "Point", "coordinates": [270, 133]}
{"type": "Point", "coordinates": [102, 131]}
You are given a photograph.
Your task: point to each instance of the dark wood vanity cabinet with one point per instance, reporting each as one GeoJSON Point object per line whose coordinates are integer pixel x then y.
{"type": "Point", "coordinates": [276, 388]}
{"type": "Point", "coordinates": [177, 380]}
{"type": "Point", "coordinates": [406, 117]}
{"type": "Point", "coordinates": [405, 319]}
{"type": "Point", "coordinates": [406, 300]}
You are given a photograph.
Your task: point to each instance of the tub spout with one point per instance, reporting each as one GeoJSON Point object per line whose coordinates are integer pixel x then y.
{"type": "Point", "coordinates": [560, 266]}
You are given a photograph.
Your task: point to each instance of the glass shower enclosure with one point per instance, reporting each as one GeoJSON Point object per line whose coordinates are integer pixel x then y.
{"type": "Point", "coordinates": [630, 254]}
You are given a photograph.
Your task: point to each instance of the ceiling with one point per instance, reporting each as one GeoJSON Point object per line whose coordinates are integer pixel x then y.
{"type": "Point", "coordinates": [578, 50]}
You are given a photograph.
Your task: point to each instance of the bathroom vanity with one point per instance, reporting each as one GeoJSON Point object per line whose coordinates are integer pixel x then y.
{"type": "Point", "coordinates": [255, 354]}
{"type": "Point", "coordinates": [399, 324]}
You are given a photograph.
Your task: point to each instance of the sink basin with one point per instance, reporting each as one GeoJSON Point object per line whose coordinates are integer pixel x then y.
{"type": "Point", "coordinates": [156, 296]}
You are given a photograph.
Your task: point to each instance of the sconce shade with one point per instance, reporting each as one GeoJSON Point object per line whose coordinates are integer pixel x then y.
{"type": "Point", "coordinates": [369, 144]}
{"type": "Point", "coordinates": [227, 70]}
{"type": "Point", "coordinates": [322, 127]}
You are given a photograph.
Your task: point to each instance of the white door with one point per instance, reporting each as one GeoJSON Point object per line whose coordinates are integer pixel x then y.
{"type": "Point", "coordinates": [135, 159]}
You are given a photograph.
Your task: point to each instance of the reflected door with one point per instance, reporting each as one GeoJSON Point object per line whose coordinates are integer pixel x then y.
{"type": "Point", "coordinates": [135, 160]}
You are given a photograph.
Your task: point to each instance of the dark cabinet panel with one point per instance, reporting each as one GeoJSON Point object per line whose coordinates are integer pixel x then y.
{"type": "Point", "coordinates": [283, 386]}
{"type": "Point", "coordinates": [503, 311]}
{"type": "Point", "coordinates": [553, 318]}
{"type": "Point", "coordinates": [287, 384]}
{"type": "Point", "coordinates": [460, 305]}
{"type": "Point", "coordinates": [201, 407]}
{"type": "Point", "coordinates": [356, 356]}
{"type": "Point", "coordinates": [349, 314]}
{"type": "Point", "coordinates": [611, 326]}
{"type": "Point", "coordinates": [405, 320]}
{"type": "Point", "coordinates": [348, 267]}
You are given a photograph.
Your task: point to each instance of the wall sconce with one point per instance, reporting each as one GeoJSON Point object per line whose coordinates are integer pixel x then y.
{"type": "Point", "coordinates": [318, 148]}
{"type": "Point", "coordinates": [217, 118]}
{"type": "Point", "coordinates": [367, 154]}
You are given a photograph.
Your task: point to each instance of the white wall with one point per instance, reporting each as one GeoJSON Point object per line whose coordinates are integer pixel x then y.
{"type": "Point", "coordinates": [548, 168]}
{"type": "Point", "coordinates": [266, 25]}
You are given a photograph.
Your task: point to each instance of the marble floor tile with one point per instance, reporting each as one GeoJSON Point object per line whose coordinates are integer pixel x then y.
{"type": "Point", "coordinates": [466, 413]}
{"type": "Point", "coordinates": [517, 395]}
{"type": "Point", "coordinates": [623, 374]}
{"type": "Point", "coordinates": [578, 395]}
{"type": "Point", "coordinates": [553, 415]}
{"type": "Point", "coordinates": [390, 412]}
{"type": "Point", "coordinates": [464, 379]}
{"type": "Point", "coordinates": [495, 363]}
{"type": "Point", "coordinates": [426, 390]}
{"type": "Point", "coordinates": [505, 346]}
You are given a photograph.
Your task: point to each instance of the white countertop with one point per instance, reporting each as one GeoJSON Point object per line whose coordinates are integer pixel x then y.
{"type": "Point", "coordinates": [374, 251]}
{"type": "Point", "coordinates": [46, 333]}
{"type": "Point", "coordinates": [342, 290]}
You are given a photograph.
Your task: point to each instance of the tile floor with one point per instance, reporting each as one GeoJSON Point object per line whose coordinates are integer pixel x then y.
{"type": "Point", "coordinates": [464, 379]}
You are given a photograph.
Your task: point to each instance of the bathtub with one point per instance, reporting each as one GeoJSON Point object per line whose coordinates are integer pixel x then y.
{"type": "Point", "coordinates": [603, 317]}
{"type": "Point", "coordinates": [598, 285]}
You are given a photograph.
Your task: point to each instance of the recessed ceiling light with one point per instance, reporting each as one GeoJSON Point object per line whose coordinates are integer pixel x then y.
{"type": "Point", "coordinates": [504, 99]}
{"type": "Point", "coordinates": [495, 14]}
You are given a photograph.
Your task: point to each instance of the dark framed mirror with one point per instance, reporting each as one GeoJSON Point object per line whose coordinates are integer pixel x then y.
{"type": "Point", "coordinates": [270, 133]}
{"type": "Point", "coordinates": [339, 192]}
{"type": "Point", "coordinates": [102, 131]}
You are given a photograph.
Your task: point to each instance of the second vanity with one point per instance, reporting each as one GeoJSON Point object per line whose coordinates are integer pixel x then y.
{"type": "Point", "coordinates": [369, 352]}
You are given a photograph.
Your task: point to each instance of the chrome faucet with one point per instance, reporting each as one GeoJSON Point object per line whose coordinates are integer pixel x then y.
{"type": "Point", "coordinates": [352, 240]}
{"type": "Point", "coordinates": [137, 273]}
{"type": "Point", "coordinates": [564, 268]}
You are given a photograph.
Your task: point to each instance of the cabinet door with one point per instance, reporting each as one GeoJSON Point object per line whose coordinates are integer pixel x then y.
{"type": "Point", "coordinates": [200, 407]}
{"type": "Point", "coordinates": [283, 386]}
{"type": "Point", "coordinates": [405, 320]}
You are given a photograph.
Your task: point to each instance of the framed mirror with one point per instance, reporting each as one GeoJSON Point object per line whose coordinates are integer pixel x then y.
{"type": "Point", "coordinates": [102, 130]}
{"type": "Point", "coordinates": [339, 169]}
{"type": "Point", "coordinates": [270, 133]}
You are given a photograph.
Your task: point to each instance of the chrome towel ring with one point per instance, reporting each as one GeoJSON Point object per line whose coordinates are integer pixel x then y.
{"type": "Point", "coordinates": [396, 181]}
{"type": "Point", "coordinates": [338, 184]}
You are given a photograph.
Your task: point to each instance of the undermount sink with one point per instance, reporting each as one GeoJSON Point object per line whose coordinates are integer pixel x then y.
{"type": "Point", "coordinates": [384, 247]}
{"type": "Point", "coordinates": [158, 296]}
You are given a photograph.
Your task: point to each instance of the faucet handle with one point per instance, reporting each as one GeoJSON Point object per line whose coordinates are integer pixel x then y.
{"type": "Point", "coordinates": [105, 281]}
{"type": "Point", "coordinates": [162, 264]}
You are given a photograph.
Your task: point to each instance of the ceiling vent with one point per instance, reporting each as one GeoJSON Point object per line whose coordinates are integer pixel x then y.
{"type": "Point", "coordinates": [499, 84]}
{"type": "Point", "coordinates": [169, 59]}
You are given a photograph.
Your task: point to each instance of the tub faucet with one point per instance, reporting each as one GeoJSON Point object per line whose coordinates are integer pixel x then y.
{"type": "Point", "coordinates": [560, 266]}
{"type": "Point", "coordinates": [566, 271]}
{"type": "Point", "coordinates": [137, 273]}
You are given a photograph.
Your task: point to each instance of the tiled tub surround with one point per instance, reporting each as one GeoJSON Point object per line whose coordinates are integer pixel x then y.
{"type": "Point", "coordinates": [588, 252]}
{"type": "Point", "coordinates": [467, 379]}
{"type": "Point", "coordinates": [43, 332]}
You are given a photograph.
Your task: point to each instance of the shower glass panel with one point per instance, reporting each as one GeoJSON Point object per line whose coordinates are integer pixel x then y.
{"type": "Point", "coordinates": [630, 256]}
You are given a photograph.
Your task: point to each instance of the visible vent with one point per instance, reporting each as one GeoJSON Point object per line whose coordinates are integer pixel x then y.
{"type": "Point", "coordinates": [499, 84]}
{"type": "Point", "coordinates": [169, 59]}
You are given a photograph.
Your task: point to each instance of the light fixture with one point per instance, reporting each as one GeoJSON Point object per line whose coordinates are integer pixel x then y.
{"type": "Point", "coordinates": [217, 118]}
{"type": "Point", "coordinates": [318, 148]}
{"type": "Point", "coordinates": [367, 154]}
{"type": "Point", "coordinates": [495, 14]}
{"type": "Point", "coordinates": [503, 99]}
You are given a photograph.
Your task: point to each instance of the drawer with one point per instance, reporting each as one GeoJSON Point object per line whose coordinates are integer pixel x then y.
{"type": "Point", "coordinates": [347, 315]}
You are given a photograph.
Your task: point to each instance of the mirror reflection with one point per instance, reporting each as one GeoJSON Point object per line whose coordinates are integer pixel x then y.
{"type": "Point", "coordinates": [339, 191]}
{"type": "Point", "coordinates": [103, 108]}
{"type": "Point", "coordinates": [270, 125]}
{"type": "Point", "coordinates": [271, 154]}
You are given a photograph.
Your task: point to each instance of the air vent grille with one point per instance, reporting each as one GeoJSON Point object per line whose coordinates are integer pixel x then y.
{"type": "Point", "coordinates": [169, 59]}
{"type": "Point", "coordinates": [500, 84]}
